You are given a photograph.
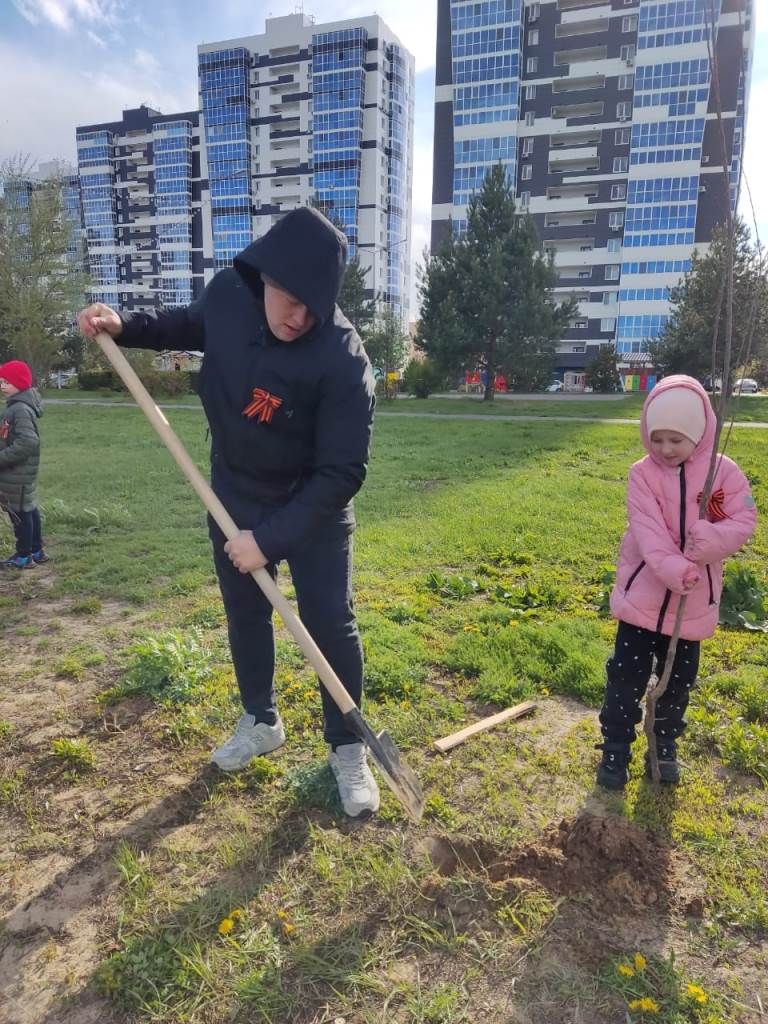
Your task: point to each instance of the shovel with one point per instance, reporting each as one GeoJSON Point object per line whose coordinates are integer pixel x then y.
{"type": "Point", "coordinates": [399, 777]}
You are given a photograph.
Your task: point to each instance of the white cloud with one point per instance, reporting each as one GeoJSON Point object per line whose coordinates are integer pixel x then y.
{"type": "Point", "coordinates": [755, 161]}
{"type": "Point", "coordinates": [146, 62]}
{"type": "Point", "coordinates": [63, 14]}
{"type": "Point", "coordinates": [44, 125]}
{"type": "Point", "coordinates": [97, 40]}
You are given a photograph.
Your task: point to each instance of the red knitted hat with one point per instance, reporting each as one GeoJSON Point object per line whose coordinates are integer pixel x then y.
{"type": "Point", "coordinates": [16, 373]}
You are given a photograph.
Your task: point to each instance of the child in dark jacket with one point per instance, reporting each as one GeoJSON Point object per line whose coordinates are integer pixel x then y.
{"type": "Point", "coordinates": [20, 462]}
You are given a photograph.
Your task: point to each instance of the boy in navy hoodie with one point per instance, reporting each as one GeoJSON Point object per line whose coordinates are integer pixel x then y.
{"type": "Point", "coordinates": [289, 395]}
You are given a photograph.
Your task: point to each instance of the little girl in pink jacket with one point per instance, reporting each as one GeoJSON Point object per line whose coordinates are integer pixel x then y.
{"type": "Point", "coordinates": [668, 551]}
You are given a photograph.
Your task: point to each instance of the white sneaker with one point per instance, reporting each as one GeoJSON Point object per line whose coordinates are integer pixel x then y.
{"type": "Point", "coordinates": [250, 739]}
{"type": "Point", "coordinates": [357, 786]}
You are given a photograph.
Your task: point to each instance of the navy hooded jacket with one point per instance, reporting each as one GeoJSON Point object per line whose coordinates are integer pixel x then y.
{"type": "Point", "coordinates": [289, 471]}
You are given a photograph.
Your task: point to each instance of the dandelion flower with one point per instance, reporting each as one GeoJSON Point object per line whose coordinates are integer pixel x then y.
{"type": "Point", "coordinates": [697, 994]}
{"type": "Point", "coordinates": [626, 971]}
{"type": "Point", "coordinates": [282, 915]}
{"type": "Point", "coordinates": [640, 962]}
{"type": "Point", "coordinates": [237, 915]}
{"type": "Point", "coordinates": [645, 1005]}
{"type": "Point", "coordinates": [288, 928]}
{"type": "Point", "coordinates": [226, 926]}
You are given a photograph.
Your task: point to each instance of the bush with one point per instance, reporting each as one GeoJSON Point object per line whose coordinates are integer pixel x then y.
{"type": "Point", "coordinates": [99, 380]}
{"type": "Point", "coordinates": [744, 602]}
{"type": "Point", "coordinates": [422, 377]}
{"type": "Point", "coordinates": [171, 668]}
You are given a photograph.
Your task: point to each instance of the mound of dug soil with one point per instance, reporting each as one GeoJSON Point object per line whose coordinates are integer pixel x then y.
{"type": "Point", "coordinates": [607, 858]}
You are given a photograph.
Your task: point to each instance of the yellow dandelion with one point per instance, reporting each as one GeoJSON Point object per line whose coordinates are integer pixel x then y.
{"type": "Point", "coordinates": [645, 1005]}
{"type": "Point", "coordinates": [288, 928]}
{"type": "Point", "coordinates": [226, 926]}
{"type": "Point", "coordinates": [640, 962]}
{"type": "Point", "coordinates": [237, 915]}
{"type": "Point", "coordinates": [697, 994]}
{"type": "Point", "coordinates": [282, 915]}
{"type": "Point", "coordinates": [626, 971]}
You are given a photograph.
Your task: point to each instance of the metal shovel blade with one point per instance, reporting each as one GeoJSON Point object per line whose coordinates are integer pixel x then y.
{"type": "Point", "coordinates": [398, 776]}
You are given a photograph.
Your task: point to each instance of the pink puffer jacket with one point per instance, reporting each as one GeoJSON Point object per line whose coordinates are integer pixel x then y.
{"type": "Point", "coordinates": [656, 551]}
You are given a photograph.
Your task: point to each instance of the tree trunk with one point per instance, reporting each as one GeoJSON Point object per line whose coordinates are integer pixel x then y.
{"type": "Point", "coordinates": [490, 369]}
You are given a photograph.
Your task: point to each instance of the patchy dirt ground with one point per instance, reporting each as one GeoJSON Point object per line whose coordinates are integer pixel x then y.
{"type": "Point", "coordinates": [602, 883]}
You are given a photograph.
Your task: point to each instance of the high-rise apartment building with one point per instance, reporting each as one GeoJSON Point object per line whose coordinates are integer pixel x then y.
{"type": "Point", "coordinates": [312, 113]}
{"type": "Point", "coordinates": [142, 189]}
{"type": "Point", "coordinates": [605, 114]}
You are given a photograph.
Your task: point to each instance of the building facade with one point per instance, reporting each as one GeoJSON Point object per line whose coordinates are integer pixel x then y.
{"type": "Point", "coordinates": [312, 113]}
{"type": "Point", "coordinates": [605, 114]}
{"type": "Point", "coordinates": [143, 191]}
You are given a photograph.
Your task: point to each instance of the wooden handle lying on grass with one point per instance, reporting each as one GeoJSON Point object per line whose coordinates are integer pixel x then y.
{"type": "Point", "coordinates": [449, 742]}
{"type": "Point", "coordinates": [226, 524]}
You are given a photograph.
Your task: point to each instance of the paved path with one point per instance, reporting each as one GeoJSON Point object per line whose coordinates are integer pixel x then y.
{"type": "Point", "coordinates": [487, 417]}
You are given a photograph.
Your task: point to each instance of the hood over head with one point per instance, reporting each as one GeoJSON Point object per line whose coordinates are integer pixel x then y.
{"type": "Point", "coordinates": [304, 254]}
{"type": "Point", "coordinates": [659, 413]}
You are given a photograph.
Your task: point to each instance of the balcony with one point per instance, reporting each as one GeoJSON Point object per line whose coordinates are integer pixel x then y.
{"type": "Point", "coordinates": [568, 29]}
{"type": "Point", "coordinates": [573, 154]}
{"type": "Point", "coordinates": [580, 56]}
{"type": "Point", "coordinates": [569, 219]}
{"type": "Point", "coordinates": [573, 84]}
{"type": "Point", "coordinates": [568, 111]}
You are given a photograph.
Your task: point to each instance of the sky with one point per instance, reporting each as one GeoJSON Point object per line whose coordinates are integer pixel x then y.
{"type": "Point", "coordinates": [70, 62]}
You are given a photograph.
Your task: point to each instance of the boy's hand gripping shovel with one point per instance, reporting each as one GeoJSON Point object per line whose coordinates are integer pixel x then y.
{"type": "Point", "coordinates": [399, 777]}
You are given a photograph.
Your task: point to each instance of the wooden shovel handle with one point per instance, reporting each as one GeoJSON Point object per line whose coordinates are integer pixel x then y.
{"type": "Point", "coordinates": [227, 525]}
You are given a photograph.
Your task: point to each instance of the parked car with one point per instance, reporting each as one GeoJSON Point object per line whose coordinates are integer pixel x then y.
{"type": "Point", "coordinates": [556, 385]}
{"type": "Point", "coordinates": [746, 386]}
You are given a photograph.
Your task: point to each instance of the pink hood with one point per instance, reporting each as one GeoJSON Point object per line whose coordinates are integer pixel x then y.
{"type": "Point", "coordinates": [704, 447]}
{"type": "Point", "coordinates": [666, 540]}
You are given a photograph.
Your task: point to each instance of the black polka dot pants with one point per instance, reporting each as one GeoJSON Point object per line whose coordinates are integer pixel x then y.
{"type": "Point", "coordinates": [629, 670]}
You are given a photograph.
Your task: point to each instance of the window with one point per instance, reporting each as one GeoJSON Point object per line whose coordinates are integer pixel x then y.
{"type": "Point", "coordinates": [533, 37]}
{"type": "Point", "coordinates": [530, 92]}
{"type": "Point", "coordinates": [608, 323]}
{"type": "Point", "coordinates": [629, 23]}
{"type": "Point", "coordinates": [532, 65]}
{"type": "Point", "coordinates": [627, 54]}
{"type": "Point", "coordinates": [610, 298]}
{"type": "Point", "coordinates": [616, 219]}
{"type": "Point", "coordinates": [623, 111]}
{"type": "Point", "coordinates": [618, 191]}
{"type": "Point", "coordinates": [584, 275]}
{"type": "Point", "coordinates": [626, 82]}
{"type": "Point", "coordinates": [614, 245]}
{"type": "Point", "coordinates": [527, 147]}
{"type": "Point", "coordinates": [620, 164]}
{"type": "Point", "coordinates": [581, 324]}
{"type": "Point", "coordinates": [583, 248]}
{"type": "Point", "coordinates": [527, 173]}
{"type": "Point", "coordinates": [622, 136]}
{"type": "Point", "coordinates": [612, 272]}
{"type": "Point", "coordinates": [533, 12]}
{"type": "Point", "coordinates": [530, 118]}
{"type": "Point", "coordinates": [525, 200]}
{"type": "Point", "coordinates": [578, 348]}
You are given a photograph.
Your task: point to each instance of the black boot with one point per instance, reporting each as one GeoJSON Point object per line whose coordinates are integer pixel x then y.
{"type": "Point", "coordinates": [613, 771]}
{"type": "Point", "coordinates": [669, 769]}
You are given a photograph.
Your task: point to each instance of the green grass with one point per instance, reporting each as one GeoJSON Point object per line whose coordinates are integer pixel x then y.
{"type": "Point", "coordinates": [481, 562]}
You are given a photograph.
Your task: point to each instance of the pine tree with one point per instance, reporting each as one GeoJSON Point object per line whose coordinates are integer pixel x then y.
{"type": "Point", "coordinates": [685, 344]}
{"type": "Point", "coordinates": [602, 374]}
{"type": "Point", "coordinates": [487, 295]}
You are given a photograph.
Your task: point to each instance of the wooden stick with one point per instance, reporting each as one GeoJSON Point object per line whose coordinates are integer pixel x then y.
{"type": "Point", "coordinates": [449, 742]}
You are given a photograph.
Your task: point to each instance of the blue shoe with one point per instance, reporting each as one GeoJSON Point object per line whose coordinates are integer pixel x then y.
{"type": "Point", "coordinates": [40, 557]}
{"type": "Point", "coordinates": [18, 562]}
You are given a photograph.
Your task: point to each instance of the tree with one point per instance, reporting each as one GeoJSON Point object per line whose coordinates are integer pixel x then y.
{"type": "Point", "coordinates": [387, 345]}
{"type": "Point", "coordinates": [353, 298]}
{"type": "Point", "coordinates": [602, 374]}
{"type": "Point", "coordinates": [686, 343]}
{"type": "Point", "coordinates": [487, 295]}
{"type": "Point", "coordinates": [422, 377]}
{"type": "Point", "coordinates": [39, 290]}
